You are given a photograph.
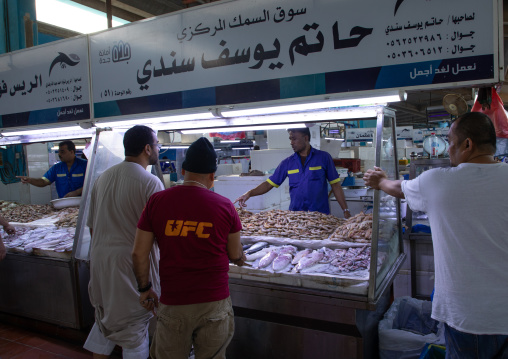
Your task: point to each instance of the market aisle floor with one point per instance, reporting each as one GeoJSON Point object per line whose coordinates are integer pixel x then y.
{"type": "Point", "coordinates": [18, 343]}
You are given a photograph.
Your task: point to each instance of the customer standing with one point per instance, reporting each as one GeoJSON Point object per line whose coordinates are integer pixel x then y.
{"type": "Point", "coordinates": [198, 232]}
{"type": "Point", "coordinates": [117, 200]}
{"type": "Point", "coordinates": [468, 213]}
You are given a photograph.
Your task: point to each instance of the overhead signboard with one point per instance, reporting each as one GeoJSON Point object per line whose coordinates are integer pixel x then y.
{"type": "Point", "coordinates": [45, 84]}
{"type": "Point", "coordinates": [248, 51]}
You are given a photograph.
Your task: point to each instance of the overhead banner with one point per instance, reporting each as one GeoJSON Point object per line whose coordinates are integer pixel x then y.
{"type": "Point", "coordinates": [245, 51]}
{"type": "Point", "coordinates": [45, 84]}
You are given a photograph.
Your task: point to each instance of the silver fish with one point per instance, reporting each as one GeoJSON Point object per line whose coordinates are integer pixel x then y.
{"type": "Point", "coordinates": [252, 257]}
{"type": "Point", "coordinates": [256, 247]}
{"type": "Point", "coordinates": [281, 262]}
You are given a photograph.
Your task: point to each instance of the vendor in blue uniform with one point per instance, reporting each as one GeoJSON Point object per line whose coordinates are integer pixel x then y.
{"type": "Point", "coordinates": [308, 170]}
{"type": "Point", "coordinates": [68, 175]}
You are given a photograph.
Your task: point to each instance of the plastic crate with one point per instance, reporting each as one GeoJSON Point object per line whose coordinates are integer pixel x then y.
{"type": "Point", "coordinates": [352, 164]}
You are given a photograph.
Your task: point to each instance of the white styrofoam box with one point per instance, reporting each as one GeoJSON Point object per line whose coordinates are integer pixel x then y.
{"type": "Point", "coordinates": [228, 169]}
{"type": "Point", "coordinates": [285, 205]}
{"type": "Point", "coordinates": [346, 154]}
{"type": "Point", "coordinates": [278, 139]}
{"type": "Point", "coordinates": [331, 146]}
{"type": "Point", "coordinates": [234, 186]}
{"type": "Point", "coordinates": [354, 207]}
{"type": "Point", "coordinates": [366, 153]}
{"type": "Point", "coordinates": [266, 160]}
{"type": "Point", "coordinates": [40, 198]}
{"type": "Point", "coordinates": [401, 152]}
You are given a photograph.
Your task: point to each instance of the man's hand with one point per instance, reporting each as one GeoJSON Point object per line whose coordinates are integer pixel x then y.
{"type": "Point", "coordinates": [240, 262]}
{"type": "Point", "coordinates": [149, 300]}
{"type": "Point", "coordinates": [71, 194]}
{"type": "Point", "coordinates": [24, 179]}
{"type": "Point", "coordinates": [3, 251]}
{"type": "Point", "coordinates": [242, 199]}
{"type": "Point", "coordinates": [347, 214]}
{"type": "Point", "coordinates": [10, 229]}
{"type": "Point", "coordinates": [373, 178]}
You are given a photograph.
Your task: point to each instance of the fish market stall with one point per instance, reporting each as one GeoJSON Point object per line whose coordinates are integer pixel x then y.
{"type": "Point", "coordinates": [316, 285]}
{"type": "Point", "coordinates": [39, 276]}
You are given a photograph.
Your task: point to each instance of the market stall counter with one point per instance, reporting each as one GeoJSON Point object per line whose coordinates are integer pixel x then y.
{"type": "Point", "coordinates": [316, 285]}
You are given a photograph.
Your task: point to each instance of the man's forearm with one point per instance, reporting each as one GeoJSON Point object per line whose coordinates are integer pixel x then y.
{"type": "Point", "coordinates": [392, 187]}
{"type": "Point", "coordinates": [261, 189]}
{"type": "Point", "coordinates": [3, 221]}
{"type": "Point", "coordinates": [339, 195]}
{"type": "Point", "coordinates": [39, 182]}
{"type": "Point", "coordinates": [141, 270]}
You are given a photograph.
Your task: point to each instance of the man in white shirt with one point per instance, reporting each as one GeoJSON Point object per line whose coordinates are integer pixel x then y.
{"type": "Point", "coordinates": [467, 208]}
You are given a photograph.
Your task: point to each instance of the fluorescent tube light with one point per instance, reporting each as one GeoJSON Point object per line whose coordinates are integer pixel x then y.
{"type": "Point", "coordinates": [241, 148]}
{"type": "Point", "coordinates": [229, 141]}
{"type": "Point", "coordinates": [378, 100]}
{"type": "Point", "coordinates": [335, 139]}
{"type": "Point", "coordinates": [246, 128]}
{"type": "Point", "coordinates": [141, 121]}
{"type": "Point", "coordinates": [54, 148]}
{"type": "Point", "coordinates": [40, 131]}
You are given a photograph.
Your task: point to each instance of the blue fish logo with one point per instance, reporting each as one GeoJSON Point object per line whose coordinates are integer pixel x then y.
{"type": "Point", "coordinates": [63, 60]}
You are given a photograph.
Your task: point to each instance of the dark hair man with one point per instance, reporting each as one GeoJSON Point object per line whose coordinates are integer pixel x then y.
{"type": "Point", "coordinates": [309, 171]}
{"type": "Point", "coordinates": [68, 175]}
{"type": "Point", "coordinates": [468, 214]}
{"type": "Point", "coordinates": [117, 200]}
{"type": "Point", "coordinates": [198, 232]}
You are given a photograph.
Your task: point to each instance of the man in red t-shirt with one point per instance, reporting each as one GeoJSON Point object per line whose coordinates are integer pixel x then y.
{"type": "Point", "coordinates": [198, 233]}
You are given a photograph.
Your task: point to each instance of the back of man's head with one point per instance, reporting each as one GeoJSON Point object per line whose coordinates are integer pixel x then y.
{"type": "Point", "coordinates": [200, 157]}
{"type": "Point", "coordinates": [70, 145]}
{"type": "Point", "coordinates": [479, 128]}
{"type": "Point", "coordinates": [304, 131]}
{"type": "Point", "coordinates": [136, 138]}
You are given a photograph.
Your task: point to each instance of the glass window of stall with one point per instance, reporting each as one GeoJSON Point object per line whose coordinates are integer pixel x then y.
{"type": "Point", "coordinates": [386, 222]}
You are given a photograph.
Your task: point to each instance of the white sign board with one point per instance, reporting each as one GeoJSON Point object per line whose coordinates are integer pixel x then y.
{"type": "Point", "coordinates": [245, 51]}
{"type": "Point", "coordinates": [45, 84]}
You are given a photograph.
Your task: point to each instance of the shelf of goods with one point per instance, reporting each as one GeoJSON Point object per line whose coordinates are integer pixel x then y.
{"type": "Point", "coordinates": [318, 278]}
{"type": "Point", "coordinates": [39, 274]}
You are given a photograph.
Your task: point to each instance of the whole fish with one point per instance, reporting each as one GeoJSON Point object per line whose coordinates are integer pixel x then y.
{"type": "Point", "coordinates": [247, 246]}
{"type": "Point", "coordinates": [281, 262]}
{"type": "Point", "coordinates": [329, 255]}
{"type": "Point", "coordinates": [256, 247]}
{"type": "Point", "coordinates": [317, 268]}
{"type": "Point", "coordinates": [288, 249]}
{"type": "Point", "coordinates": [261, 253]}
{"type": "Point", "coordinates": [309, 260]}
{"type": "Point", "coordinates": [300, 255]}
{"type": "Point", "coordinates": [267, 259]}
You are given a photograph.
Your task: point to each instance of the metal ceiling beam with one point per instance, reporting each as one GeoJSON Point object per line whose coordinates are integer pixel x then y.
{"type": "Point", "coordinates": [130, 14]}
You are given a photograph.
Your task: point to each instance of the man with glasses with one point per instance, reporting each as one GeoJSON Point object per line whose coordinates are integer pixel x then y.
{"type": "Point", "coordinates": [68, 175]}
{"type": "Point", "coordinates": [117, 200]}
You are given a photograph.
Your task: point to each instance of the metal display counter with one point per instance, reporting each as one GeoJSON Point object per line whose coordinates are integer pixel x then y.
{"type": "Point", "coordinates": [308, 316]}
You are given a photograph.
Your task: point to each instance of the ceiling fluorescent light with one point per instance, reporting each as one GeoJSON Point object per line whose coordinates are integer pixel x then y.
{"type": "Point", "coordinates": [378, 100]}
{"type": "Point", "coordinates": [40, 131]}
{"type": "Point", "coordinates": [335, 139]}
{"type": "Point", "coordinates": [229, 141]}
{"type": "Point", "coordinates": [241, 148]}
{"type": "Point", "coordinates": [155, 120]}
{"type": "Point", "coordinates": [246, 128]}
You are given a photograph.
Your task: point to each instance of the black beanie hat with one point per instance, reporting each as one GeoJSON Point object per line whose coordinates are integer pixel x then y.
{"type": "Point", "coordinates": [200, 157]}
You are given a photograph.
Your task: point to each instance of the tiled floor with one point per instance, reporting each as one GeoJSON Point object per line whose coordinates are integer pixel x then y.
{"type": "Point", "coordinates": [24, 344]}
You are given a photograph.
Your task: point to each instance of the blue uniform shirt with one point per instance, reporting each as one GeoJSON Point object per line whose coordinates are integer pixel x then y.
{"type": "Point", "coordinates": [308, 186]}
{"type": "Point", "coordinates": [67, 181]}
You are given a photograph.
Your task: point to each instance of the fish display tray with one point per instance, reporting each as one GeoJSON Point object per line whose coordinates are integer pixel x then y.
{"type": "Point", "coordinates": [303, 243]}
{"type": "Point", "coordinates": [354, 282]}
